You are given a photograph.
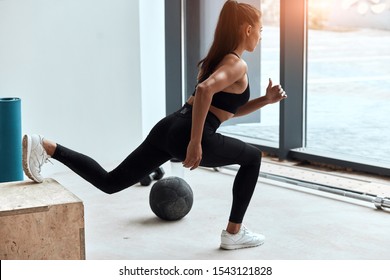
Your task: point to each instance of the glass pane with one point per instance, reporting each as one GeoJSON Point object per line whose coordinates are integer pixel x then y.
{"type": "Point", "coordinates": [267, 129]}
{"type": "Point", "coordinates": [348, 103]}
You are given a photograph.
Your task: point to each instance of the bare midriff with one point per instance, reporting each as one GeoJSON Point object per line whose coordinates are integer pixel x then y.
{"type": "Point", "coordinates": [222, 115]}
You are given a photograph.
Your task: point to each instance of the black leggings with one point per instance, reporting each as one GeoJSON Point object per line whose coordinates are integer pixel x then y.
{"type": "Point", "coordinates": [169, 139]}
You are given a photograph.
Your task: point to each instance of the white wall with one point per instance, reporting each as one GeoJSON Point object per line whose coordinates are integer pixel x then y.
{"type": "Point", "coordinates": [76, 65]}
{"type": "Point", "coordinates": [152, 35]}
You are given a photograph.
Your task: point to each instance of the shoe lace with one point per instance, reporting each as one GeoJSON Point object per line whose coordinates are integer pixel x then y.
{"type": "Point", "coordinates": [44, 159]}
{"type": "Point", "coordinates": [244, 229]}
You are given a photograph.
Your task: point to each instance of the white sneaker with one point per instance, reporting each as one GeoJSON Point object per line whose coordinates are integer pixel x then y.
{"type": "Point", "coordinates": [243, 239]}
{"type": "Point", "coordinates": [34, 156]}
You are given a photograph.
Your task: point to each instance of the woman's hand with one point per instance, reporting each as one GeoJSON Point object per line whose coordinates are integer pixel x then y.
{"type": "Point", "coordinates": [194, 155]}
{"type": "Point", "coordinates": [275, 93]}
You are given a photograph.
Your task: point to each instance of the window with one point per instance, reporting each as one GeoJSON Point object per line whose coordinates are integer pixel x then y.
{"type": "Point", "coordinates": [348, 78]}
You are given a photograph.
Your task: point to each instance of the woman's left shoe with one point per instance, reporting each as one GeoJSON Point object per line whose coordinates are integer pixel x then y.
{"type": "Point", "coordinates": [34, 156]}
{"type": "Point", "coordinates": [242, 239]}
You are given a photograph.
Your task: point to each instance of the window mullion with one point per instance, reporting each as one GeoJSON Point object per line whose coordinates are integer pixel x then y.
{"type": "Point", "coordinates": [292, 75]}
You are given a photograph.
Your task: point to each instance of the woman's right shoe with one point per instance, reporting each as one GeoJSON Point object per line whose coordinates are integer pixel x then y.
{"type": "Point", "coordinates": [242, 239]}
{"type": "Point", "coordinates": [34, 156]}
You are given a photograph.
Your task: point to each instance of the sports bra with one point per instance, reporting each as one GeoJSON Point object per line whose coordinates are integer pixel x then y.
{"type": "Point", "coordinates": [230, 102]}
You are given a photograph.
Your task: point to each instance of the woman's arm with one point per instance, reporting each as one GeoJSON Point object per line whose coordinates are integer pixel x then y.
{"type": "Point", "coordinates": [228, 73]}
{"type": "Point", "coordinates": [273, 94]}
{"type": "Point", "coordinates": [251, 106]}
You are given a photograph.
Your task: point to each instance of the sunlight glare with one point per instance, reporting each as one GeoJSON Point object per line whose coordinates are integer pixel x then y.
{"type": "Point", "coordinates": [379, 8]}
{"type": "Point", "coordinates": [346, 4]}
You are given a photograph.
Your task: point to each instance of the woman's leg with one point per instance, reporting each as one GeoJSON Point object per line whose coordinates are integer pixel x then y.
{"type": "Point", "coordinates": [221, 150]}
{"type": "Point", "coordinates": [137, 165]}
{"type": "Point", "coordinates": [141, 162]}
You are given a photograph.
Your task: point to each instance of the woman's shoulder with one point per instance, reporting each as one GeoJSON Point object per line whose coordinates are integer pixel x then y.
{"type": "Point", "coordinates": [234, 62]}
{"type": "Point", "coordinates": [230, 63]}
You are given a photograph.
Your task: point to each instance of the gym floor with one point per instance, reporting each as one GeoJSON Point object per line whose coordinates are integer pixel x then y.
{"type": "Point", "coordinates": [299, 223]}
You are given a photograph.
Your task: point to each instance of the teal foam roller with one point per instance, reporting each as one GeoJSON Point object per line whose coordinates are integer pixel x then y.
{"type": "Point", "coordinates": [10, 140]}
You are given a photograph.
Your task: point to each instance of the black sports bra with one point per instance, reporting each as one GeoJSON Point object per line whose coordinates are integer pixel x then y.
{"type": "Point", "coordinates": [230, 102]}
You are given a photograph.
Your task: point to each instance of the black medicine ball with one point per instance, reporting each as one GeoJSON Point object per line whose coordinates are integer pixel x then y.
{"type": "Point", "coordinates": [171, 198]}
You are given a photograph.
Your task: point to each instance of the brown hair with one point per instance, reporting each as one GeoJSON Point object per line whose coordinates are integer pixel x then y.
{"type": "Point", "coordinates": [227, 36]}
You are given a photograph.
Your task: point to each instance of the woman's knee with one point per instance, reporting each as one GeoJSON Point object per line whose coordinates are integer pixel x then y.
{"type": "Point", "coordinates": [108, 185]}
{"type": "Point", "coordinates": [107, 188]}
{"type": "Point", "coordinates": [253, 155]}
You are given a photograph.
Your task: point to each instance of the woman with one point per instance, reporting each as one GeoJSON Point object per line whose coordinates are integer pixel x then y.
{"type": "Point", "coordinates": [190, 133]}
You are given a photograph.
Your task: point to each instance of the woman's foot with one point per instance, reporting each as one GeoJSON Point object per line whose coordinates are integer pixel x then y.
{"type": "Point", "coordinates": [244, 238]}
{"type": "Point", "coordinates": [34, 156]}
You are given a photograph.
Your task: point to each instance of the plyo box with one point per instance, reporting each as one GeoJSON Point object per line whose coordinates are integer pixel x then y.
{"type": "Point", "coordinates": [40, 222]}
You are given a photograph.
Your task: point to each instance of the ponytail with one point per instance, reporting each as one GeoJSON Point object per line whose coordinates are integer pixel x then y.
{"type": "Point", "coordinates": [227, 34]}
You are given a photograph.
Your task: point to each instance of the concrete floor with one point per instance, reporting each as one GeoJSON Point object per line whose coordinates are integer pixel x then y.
{"type": "Point", "coordinates": [299, 224]}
